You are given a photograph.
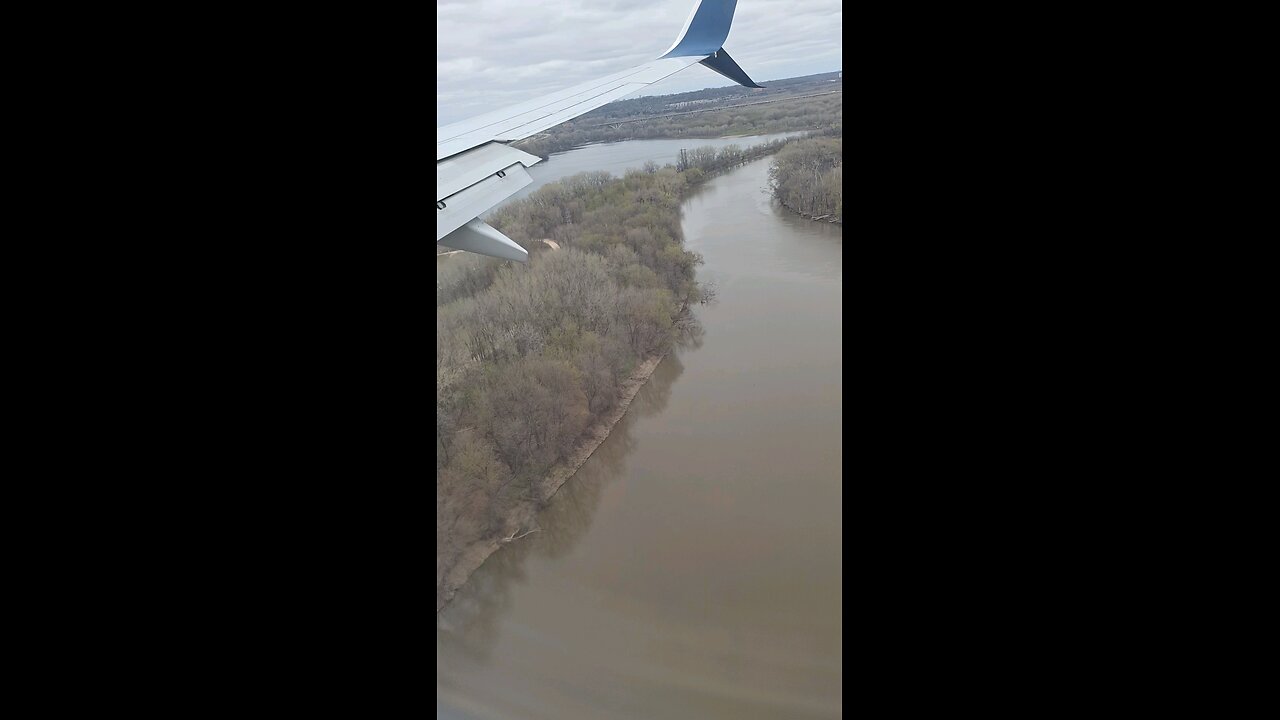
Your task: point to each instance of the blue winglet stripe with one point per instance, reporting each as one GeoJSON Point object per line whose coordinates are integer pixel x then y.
{"type": "Point", "coordinates": [707, 30]}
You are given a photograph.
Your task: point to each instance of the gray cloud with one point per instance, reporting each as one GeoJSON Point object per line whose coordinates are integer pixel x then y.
{"type": "Point", "coordinates": [491, 53]}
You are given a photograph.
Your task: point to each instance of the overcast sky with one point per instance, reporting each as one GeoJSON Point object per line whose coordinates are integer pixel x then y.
{"type": "Point", "coordinates": [492, 53]}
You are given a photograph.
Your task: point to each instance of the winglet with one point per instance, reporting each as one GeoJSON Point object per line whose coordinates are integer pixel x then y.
{"type": "Point", "coordinates": [723, 64]}
{"type": "Point", "coordinates": [705, 30]}
{"type": "Point", "coordinates": [704, 33]}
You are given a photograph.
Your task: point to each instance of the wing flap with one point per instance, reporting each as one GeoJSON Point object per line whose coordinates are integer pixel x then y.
{"type": "Point", "coordinates": [460, 208]}
{"type": "Point", "coordinates": [462, 171]}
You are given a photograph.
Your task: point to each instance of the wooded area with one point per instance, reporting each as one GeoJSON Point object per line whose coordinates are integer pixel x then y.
{"type": "Point", "coordinates": [806, 177]}
{"type": "Point", "coordinates": [528, 356]}
{"type": "Point", "coordinates": [821, 114]}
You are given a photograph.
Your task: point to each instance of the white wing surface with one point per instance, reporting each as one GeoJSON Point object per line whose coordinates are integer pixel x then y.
{"type": "Point", "coordinates": [475, 170]}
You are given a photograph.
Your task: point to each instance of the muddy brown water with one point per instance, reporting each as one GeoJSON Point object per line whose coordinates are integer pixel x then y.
{"type": "Point", "coordinates": [692, 568]}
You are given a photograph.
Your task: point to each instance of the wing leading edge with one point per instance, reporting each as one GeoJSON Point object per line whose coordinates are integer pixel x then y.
{"type": "Point", "coordinates": [475, 171]}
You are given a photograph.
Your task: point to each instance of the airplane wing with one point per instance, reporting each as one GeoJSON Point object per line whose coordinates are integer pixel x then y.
{"type": "Point", "coordinates": [476, 170]}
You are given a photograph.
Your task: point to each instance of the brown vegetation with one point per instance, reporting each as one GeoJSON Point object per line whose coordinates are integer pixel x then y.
{"type": "Point", "coordinates": [535, 362]}
{"type": "Point", "coordinates": [529, 356]}
{"type": "Point", "coordinates": [817, 114]}
{"type": "Point", "coordinates": [806, 177]}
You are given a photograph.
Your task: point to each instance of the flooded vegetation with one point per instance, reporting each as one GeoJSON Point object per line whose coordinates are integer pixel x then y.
{"type": "Point", "coordinates": [529, 357]}
{"type": "Point", "coordinates": [692, 567]}
{"type": "Point", "coordinates": [807, 178]}
{"type": "Point", "coordinates": [535, 363]}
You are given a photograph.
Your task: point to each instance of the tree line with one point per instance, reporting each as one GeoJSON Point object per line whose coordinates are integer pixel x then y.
{"type": "Point", "coordinates": [701, 161]}
{"type": "Point", "coordinates": [817, 114]}
{"type": "Point", "coordinates": [806, 177]}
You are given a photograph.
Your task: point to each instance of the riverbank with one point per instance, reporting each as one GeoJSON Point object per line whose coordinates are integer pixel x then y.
{"type": "Point", "coordinates": [809, 174]}
{"type": "Point", "coordinates": [520, 522]}
{"type": "Point", "coordinates": [692, 567]}
{"type": "Point", "coordinates": [471, 526]}
{"type": "Point", "coordinates": [807, 216]}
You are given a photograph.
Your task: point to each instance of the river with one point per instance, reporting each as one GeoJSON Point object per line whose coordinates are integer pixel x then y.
{"type": "Point", "coordinates": [619, 157]}
{"type": "Point", "coordinates": [692, 567]}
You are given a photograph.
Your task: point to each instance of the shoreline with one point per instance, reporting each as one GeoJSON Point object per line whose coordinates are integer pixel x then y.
{"type": "Point", "coordinates": [469, 559]}
{"type": "Point", "coordinates": [807, 216]}
{"type": "Point", "coordinates": [472, 557]}
{"type": "Point", "coordinates": [678, 137]}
